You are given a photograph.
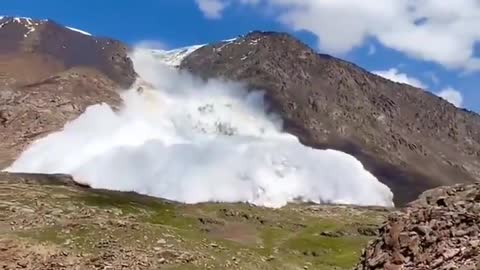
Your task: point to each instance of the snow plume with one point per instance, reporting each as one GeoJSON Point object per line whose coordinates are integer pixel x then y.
{"type": "Point", "coordinates": [188, 140]}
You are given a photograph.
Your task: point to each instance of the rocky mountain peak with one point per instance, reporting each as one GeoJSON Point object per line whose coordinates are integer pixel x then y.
{"type": "Point", "coordinates": [27, 43]}
{"type": "Point", "coordinates": [410, 139]}
{"type": "Point", "coordinates": [49, 74]}
{"type": "Point", "coordinates": [29, 25]}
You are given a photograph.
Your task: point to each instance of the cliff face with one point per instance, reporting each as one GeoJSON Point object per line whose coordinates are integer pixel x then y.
{"type": "Point", "coordinates": [410, 139]}
{"type": "Point", "coordinates": [49, 74]}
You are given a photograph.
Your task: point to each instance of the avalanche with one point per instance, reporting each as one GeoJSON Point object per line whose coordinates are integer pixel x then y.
{"type": "Point", "coordinates": [188, 140]}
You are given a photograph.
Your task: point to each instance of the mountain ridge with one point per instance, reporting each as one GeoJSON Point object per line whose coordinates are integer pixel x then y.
{"type": "Point", "coordinates": [326, 102]}
{"type": "Point", "coordinates": [49, 74]}
{"type": "Point", "coordinates": [23, 37]}
{"type": "Point", "coordinates": [51, 222]}
{"type": "Point", "coordinates": [331, 103]}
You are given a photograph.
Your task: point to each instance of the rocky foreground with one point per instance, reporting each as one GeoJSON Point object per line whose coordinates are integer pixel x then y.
{"type": "Point", "coordinates": [438, 231]}
{"type": "Point", "coordinates": [48, 222]}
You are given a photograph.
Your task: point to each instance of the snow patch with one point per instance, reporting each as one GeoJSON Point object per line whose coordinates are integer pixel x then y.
{"type": "Point", "coordinates": [230, 40]}
{"type": "Point", "coordinates": [254, 41]}
{"type": "Point", "coordinates": [189, 140]}
{"type": "Point", "coordinates": [79, 31]}
{"type": "Point", "coordinates": [174, 57]}
{"type": "Point", "coordinates": [28, 23]}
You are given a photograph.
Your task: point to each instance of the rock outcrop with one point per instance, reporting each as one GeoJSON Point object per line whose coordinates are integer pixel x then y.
{"type": "Point", "coordinates": [49, 74]}
{"type": "Point", "coordinates": [410, 139]}
{"type": "Point", "coordinates": [438, 231]}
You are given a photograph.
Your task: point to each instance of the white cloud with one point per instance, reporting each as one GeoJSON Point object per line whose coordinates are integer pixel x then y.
{"type": "Point", "coordinates": [395, 75]}
{"type": "Point", "coordinates": [251, 2]}
{"type": "Point", "coordinates": [212, 9]}
{"type": "Point", "coordinates": [433, 77]}
{"type": "Point", "coordinates": [152, 44]}
{"type": "Point", "coordinates": [372, 49]}
{"type": "Point", "coordinates": [451, 95]}
{"type": "Point", "coordinates": [444, 31]}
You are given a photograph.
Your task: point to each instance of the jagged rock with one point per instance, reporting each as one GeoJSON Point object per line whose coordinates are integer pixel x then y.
{"type": "Point", "coordinates": [438, 231]}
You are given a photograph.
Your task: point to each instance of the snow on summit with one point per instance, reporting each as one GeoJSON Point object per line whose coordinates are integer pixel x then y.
{"type": "Point", "coordinates": [193, 141]}
{"type": "Point", "coordinates": [28, 23]}
{"type": "Point", "coordinates": [174, 57]}
{"type": "Point", "coordinates": [31, 24]}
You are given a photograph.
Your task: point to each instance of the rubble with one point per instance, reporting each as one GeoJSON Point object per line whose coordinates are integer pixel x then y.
{"type": "Point", "coordinates": [440, 230]}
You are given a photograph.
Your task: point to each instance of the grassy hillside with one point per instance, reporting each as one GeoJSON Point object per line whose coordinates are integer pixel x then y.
{"type": "Point", "coordinates": [47, 222]}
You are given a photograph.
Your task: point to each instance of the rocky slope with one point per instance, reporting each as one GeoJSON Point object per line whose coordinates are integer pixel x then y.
{"type": "Point", "coordinates": [49, 74]}
{"type": "Point", "coordinates": [438, 231]}
{"type": "Point", "coordinates": [410, 139]}
{"type": "Point", "coordinates": [47, 222]}
{"type": "Point", "coordinates": [33, 50]}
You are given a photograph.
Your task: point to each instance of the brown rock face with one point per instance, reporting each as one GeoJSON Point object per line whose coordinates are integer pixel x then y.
{"type": "Point", "coordinates": [49, 74]}
{"type": "Point", "coordinates": [32, 50]}
{"type": "Point", "coordinates": [438, 231]}
{"type": "Point", "coordinates": [408, 138]}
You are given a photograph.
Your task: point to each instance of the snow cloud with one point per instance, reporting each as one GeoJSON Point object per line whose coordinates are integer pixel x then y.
{"type": "Point", "coordinates": [212, 9]}
{"type": "Point", "coordinates": [372, 49]}
{"type": "Point", "coordinates": [449, 94]}
{"type": "Point", "coordinates": [192, 141]}
{"type": "Point", "coordinates": [444, 32]}
{"type": "Point", "coordinates": [395, 75]}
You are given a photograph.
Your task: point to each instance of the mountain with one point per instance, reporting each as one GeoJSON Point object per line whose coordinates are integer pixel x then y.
{"type": "Point", "coordinates": [49, 74]}
{"type": "Point", "coordinates": [28, 44]}
{"type": "Point", "coordinates": [408, 138]}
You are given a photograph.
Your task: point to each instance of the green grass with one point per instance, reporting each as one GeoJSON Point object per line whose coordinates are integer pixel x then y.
{"type": "Point", "coordinates": [292, 235]}
{"type": "Point", "coordinates": [44, 235]}
{"type": "Point", "coordinates": [322, 251]}
{"type": "Point", "coordinates": [148, 210]}
{"type": "Point", "coordinates": [128, 204]}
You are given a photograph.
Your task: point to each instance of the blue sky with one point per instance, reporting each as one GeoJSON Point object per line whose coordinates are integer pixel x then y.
{"type": "Point", "coordinates": [400, 50]}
